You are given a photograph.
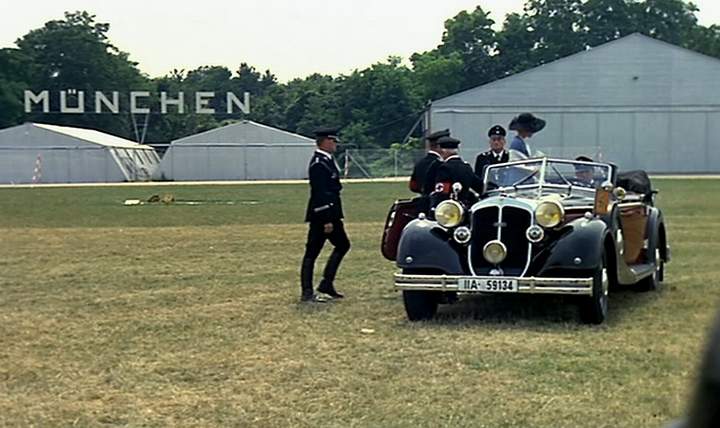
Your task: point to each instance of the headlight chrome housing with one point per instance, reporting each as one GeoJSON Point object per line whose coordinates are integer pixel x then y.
{"type": "Point", "coordinates": [495, 252]}
{"type": "Point", "coordinates": [449, 213]}
{"type": "Point", "coordinates": [549, 214]}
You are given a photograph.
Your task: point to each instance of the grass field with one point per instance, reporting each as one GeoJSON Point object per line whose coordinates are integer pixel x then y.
{"type": "Point", "coordinates": [187, 315]}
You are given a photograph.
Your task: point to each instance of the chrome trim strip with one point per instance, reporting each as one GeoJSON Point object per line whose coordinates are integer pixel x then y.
{"type": "Point", "coordinates": [530, 285]}
{"type": "Point", "coordinates": [631, 204]}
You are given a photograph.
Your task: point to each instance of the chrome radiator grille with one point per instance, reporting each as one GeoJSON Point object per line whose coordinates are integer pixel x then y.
{"type": "Point", "coordinates": [507, 224]}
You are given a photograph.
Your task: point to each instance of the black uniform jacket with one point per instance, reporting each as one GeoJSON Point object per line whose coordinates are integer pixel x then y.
{"type": "Point", "coordinates": [455, 170]}
{"type": "Point", "coordinates": [422, 179]}
{"type": "Point", "coordinates": [324, 205]}
{"type": "Point", "coordinates": [488, 158]}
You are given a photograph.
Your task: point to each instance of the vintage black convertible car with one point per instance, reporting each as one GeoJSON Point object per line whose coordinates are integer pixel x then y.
{"type": "Point", "coordinates": [543, 226]}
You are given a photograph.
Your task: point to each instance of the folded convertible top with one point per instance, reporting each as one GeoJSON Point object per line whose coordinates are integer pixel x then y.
{"type": "Point", "coordinates": [635, 181]}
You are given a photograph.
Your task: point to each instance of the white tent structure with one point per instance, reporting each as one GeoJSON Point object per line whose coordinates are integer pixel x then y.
{"type": "Point", "coordinates": [39, 153]}
{"type": "Point", "coordinates": [241, 151]}
{"type": "Point", "coordinates": [636, 101]}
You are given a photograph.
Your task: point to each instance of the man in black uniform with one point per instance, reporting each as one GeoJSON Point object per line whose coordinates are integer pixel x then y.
{"type": "Point", "coordinates": [455, 170]}
{"type": "Point", "coordinates": [325, 214]}
{"type": "Point", "coordinates": [496, 154]}
{"type": "Point", "coordinates": [422, 180]}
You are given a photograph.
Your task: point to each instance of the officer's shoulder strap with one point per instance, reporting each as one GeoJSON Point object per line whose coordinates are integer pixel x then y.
{"type": "Point", "coordinates": [319, 161]}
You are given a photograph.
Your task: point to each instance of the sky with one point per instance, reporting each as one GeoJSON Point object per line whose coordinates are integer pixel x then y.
{"type": "Point", "coordinates": [291, 38]}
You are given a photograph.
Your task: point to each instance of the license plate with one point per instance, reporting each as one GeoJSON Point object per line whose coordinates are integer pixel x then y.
{"type": "Point", "coordinates": [488, 285]}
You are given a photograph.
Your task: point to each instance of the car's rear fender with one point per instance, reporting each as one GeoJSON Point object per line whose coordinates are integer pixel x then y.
{"type": "Point", "coordinates": [425, 245]}
{"type": "Point", "coordinates": [656, 235]}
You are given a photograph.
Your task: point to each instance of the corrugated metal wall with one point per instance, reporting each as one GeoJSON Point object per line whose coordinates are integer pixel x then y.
{"type": "Point", "coordinates": [241, 151]}
{"type": "Point", "coordinates": [63, 159]}
{"type": "Point", "coordinates": [239, 162]}
{"type": "Point", "coordinates": [637, 102]}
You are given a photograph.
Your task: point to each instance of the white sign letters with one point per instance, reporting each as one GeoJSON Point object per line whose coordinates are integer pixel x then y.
{"type": "Point", "coordinates": [73, 101]}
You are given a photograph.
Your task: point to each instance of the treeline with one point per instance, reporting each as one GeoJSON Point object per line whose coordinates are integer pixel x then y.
{"type": "Point", "coordinates": [376, 106]}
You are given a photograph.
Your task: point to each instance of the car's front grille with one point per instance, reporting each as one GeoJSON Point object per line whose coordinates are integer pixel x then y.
{"type": "Point", "coordinates": [510, 227]}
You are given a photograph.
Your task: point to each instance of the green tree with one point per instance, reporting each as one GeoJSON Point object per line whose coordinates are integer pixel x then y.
{"type": "Point", "coordinates": [705, 40]}
{"type": "Point", "coordinates": [75, 53]}
{"type": "Point", "coordinates": [13, 80]}
{"type": "Point", "coordinates": [384, 96]}
{"type": "Point", "coordinates": [436, 75]}
{"type": "Point", "coordinates": [248, 79]}
{"type": "Point", "coordinates": [607, 20]}
{"type": "Point", "coordinates": [516, 44]}
{"type": "Point", "coordinates": [472, 37]}
{"type": "Point", "coordinates": [556, 28]}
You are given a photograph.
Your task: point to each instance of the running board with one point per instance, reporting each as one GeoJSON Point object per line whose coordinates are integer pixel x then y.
{"type": "Point", "coordinates": [642, 270]}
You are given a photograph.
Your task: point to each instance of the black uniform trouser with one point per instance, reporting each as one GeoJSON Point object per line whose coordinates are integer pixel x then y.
{"type": "Point", "coordinates": [315, 242]}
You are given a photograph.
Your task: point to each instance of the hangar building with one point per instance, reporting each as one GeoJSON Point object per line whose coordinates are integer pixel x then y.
{"type": "Point", "coordinates": [241, 151]}
{"type": "Point", "coordinates": [636, 101]}
{"type": "Point", "coordinates": [39, 153]}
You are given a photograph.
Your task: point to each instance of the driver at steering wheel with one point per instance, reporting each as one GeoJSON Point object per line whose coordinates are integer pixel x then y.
{"type": "Point", "coordinates": [584, 174]}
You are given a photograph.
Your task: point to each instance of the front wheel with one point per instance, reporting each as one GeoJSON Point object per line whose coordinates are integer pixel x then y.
{"type": "Point", "coordinates": [420, 305]}
{"type": "Point", "coordinates": [594, 309]}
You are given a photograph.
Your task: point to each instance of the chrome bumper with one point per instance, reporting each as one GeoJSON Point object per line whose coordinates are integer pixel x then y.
{"type": "Point", "coordinates": [531, 285]}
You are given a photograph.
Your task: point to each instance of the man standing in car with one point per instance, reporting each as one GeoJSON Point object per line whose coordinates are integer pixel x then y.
{"type": "Point", "coordinates": [325, 216]}
{"type": "Point", "coordinates": [497, 152]}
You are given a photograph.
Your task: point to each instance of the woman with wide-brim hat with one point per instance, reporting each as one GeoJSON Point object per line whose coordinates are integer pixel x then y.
{"type": "Point", "coordinates": [525, 125]}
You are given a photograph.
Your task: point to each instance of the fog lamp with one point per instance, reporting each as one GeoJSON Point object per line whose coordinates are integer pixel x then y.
{"type": "Point", "coordinates": [535, 234]}
{"type": "Point", "coordinates": [495, 252]}
{"type": "Point", "coordinates": [462, 235]}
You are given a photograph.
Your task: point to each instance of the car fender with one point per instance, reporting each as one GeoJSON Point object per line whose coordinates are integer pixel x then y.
{"type": "Point", "coordinates": [425, 245]}
{"type": "Point", "coordinates": [579, 248]}
{"type": "Point", "coordinates": [656, 223]}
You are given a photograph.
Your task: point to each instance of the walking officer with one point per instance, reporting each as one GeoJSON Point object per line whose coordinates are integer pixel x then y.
{"type": "Point", "coordinates": [496, 154]}
{"type": "Point", "coordinates": [325, 216]}
{"type": "Point", "coordinates": [422, 180]}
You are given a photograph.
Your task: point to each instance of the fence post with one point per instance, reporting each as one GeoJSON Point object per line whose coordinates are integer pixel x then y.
{"type": "Point", "coordinates": [395, 153]}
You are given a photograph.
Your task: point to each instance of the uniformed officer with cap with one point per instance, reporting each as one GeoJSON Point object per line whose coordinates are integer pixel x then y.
{"type": "Point", "coordinates": [422, 180]}
{"type": "Point", "coordinates": [496, 154]}
{"type": "Point", "coordinates": [584, 173]}
{"type": "Point", "coordinates": [324, 214]}
{"type": "Point", "coordinates": [454, 170]}
{"type": "Point", "coordinates": [526, 125]}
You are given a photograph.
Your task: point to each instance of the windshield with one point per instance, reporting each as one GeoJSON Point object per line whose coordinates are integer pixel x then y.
{"type": "Point", "coordinates": [571, 174]}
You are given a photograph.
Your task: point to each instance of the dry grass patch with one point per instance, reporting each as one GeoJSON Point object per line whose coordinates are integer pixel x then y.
{"type": "Point", "coordinates": [200, 326]}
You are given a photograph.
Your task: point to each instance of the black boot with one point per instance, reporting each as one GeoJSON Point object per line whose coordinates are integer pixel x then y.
{"type": "Point", "coordinates": [331, 268]}
{"type": "Point", "coordinates": [306, 274]}
{"type": "Point", "coordinates": [328, 288]}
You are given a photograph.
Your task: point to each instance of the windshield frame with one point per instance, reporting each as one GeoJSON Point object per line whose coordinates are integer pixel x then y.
{"type": "Point", "coordinates": [545, 163]}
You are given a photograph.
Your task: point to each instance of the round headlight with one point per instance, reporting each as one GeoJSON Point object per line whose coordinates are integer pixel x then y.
{"type": "Point", "coordinates": [449, 213]}
{"type": "Point", "coordinates": [495, 252]}
{"type": "Point", "coordinates": [462, 235]}
{"type": "Point", "coordinates": [549, 214]}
